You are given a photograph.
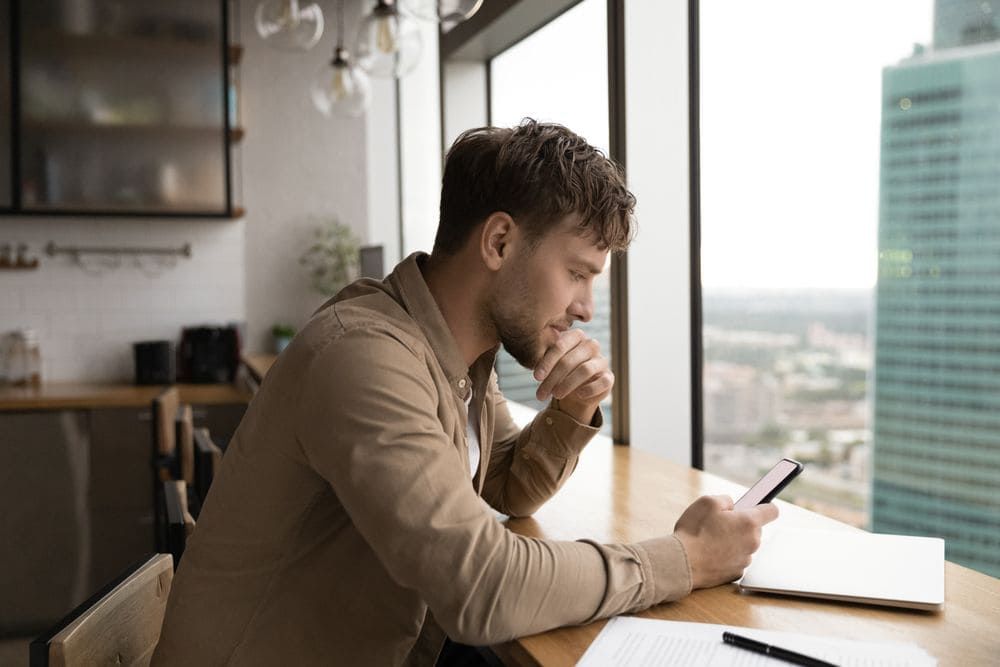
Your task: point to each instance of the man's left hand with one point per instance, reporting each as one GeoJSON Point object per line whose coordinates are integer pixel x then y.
{"type": "Point", "coordinates": [575, 372]}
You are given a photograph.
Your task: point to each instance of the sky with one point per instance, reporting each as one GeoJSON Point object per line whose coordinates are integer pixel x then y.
{"type": "Point", "coordinates": [556, 74]}
{"type": "Point", "coordinates": [790, 113]}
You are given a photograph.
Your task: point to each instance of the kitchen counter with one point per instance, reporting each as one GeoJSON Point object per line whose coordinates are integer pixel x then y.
{"type": "Point", "coordinates": [259, 364]}
{"type": "Point", "coordinates": [82, 395]}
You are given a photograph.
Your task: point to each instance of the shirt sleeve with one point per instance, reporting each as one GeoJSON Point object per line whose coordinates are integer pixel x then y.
{"type": "Point", "coordinates": [368, 423]}
{"type": "Point", "coordinates": [527, 466]}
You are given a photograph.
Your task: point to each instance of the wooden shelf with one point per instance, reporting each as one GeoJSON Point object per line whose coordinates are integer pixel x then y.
{"type": "Point", "coordinates": [236, 134]}
{"type": "Point", "coordinates": [104, 46]}
{"type": "Point", "coordinates": [139, 208]}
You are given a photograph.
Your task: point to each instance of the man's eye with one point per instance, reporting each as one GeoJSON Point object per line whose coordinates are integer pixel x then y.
{"type": "Point", "coordinates": [577, 277]}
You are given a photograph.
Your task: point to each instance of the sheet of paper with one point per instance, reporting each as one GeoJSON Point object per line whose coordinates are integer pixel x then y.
{"type": "Point", "coordinates": [642, 642]}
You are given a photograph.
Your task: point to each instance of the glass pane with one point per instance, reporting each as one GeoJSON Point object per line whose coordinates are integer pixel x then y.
{"type": "Point", "coordinates": [5, 107]}
{"type": "Point", "coordinates": [558, 74]}
{"type": "Point", "coordinates": [122, 106]}
{"type": "Point", "coordinates": [851, 259]}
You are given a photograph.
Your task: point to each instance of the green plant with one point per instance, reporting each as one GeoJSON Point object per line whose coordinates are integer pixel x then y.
{"type": "Point", "coordinates": [282, 331]}
{"type": "Point", "coordinates": [332, 259]}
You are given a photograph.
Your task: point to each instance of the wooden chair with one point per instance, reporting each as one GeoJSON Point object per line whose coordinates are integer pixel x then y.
{"type": "Point", "coordinates": [173, 454]}
{"type": "Point", "coordinates": [165, 408]}
{"type": "Point", "coordinates": [184, 436]}
{"type": "Point", "coordinates": [178, 520]}
{"type": "Point", "coordinates": [120, 625]}
{"type": "Point", "coordinates": [207, 459]}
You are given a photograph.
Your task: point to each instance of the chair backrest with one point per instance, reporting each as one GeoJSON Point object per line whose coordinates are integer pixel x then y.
{"type": "Point", "coordinates": [165, 407]}
{"type": "Point", "coordinates": [179, 522]}
{"type": "Point", "coordinates": [207, 459]}
{"type": "Point", "coordinates": [120, 625]}
{"type": "Point", "coordinates": [184, 430]}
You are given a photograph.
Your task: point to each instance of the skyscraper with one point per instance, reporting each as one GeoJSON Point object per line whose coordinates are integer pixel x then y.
{"type": "Point", "coordinates": [937, 330]}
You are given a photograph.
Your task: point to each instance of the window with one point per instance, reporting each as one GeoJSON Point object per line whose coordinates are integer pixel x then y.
{"type": "Point", "coordinates": [558, 74]}
{"type": "Point", "coordinates": [850, 227]}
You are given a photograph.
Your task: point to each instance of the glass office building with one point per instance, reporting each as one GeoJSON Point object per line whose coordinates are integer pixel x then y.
{"type": "Point", "coordinates": [936, 467]}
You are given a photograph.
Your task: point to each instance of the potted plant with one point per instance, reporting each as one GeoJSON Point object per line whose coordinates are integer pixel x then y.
{"type": "Point", "coordinates": [333, 259]}
{"type": "Point", "coordinates": [282, 334]}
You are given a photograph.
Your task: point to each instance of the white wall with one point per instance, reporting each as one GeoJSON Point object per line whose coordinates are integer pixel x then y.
{"type": "Point", "coordinates": [420, 146]}
{"type": "Point", "coordinates": [87, 318]}
{"type": "Point", "coordinates": [658, 263]}
{"type": "Point", "coordinates": [465, 99]}
{"type": "Point", "coordinates": [299, 168]}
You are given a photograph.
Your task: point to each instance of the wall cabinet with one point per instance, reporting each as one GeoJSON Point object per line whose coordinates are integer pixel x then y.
{"type": "Point", "coordinates": [116, 108]}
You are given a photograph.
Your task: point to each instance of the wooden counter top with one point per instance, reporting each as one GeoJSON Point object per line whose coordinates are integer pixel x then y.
{"type": "Point", "coordinates": [69, 396]}
{"type": "Point", "coordinates": [259, 364]}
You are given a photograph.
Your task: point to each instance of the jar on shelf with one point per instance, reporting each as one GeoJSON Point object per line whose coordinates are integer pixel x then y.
{"type": "Point", "coordinates": [24, 359]}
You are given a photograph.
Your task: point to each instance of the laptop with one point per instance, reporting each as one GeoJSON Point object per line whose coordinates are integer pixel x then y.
{"type": "Point", "coordinates": [850, 566]}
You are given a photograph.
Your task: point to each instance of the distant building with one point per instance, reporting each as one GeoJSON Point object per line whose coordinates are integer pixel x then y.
{"type": "Point", "coordinates": [936, 459]}
{"type": "Point", "coordinates": [739, 401]}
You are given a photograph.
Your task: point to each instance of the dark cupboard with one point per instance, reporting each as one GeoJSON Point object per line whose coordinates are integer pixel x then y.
{"type": "Point", "coordinates": [115, 107]}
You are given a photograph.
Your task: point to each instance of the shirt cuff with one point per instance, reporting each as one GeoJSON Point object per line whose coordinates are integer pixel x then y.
{"type": "Point", "coordinates": [666, 561]}
{"type": "Point", "coordinates": [596, 422]}
{"type": "Point", "coordinates": [559, 434]}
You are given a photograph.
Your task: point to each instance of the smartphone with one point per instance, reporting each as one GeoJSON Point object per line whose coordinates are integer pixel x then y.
{"type": "Point", "coordinates": [768, 486]}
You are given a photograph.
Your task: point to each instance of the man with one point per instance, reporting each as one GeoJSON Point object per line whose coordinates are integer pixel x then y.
{"type": "Point", "coordinates": [347, 524]}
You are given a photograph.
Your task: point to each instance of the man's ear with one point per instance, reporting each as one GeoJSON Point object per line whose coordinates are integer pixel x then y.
{"type": "Point", "coordinates": [499, 232]}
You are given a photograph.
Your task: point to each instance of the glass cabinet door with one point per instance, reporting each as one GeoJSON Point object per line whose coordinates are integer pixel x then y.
{"type": "Point", "coordinates": [122, 107]}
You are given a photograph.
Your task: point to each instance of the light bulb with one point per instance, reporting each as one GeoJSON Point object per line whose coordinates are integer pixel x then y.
{"type": "Point", "coordinates": [340, 87]}
{"type": "Point", "coordinates": [286, 26]}
{"type": "Point", "coordinates": [389, 44]}
{"type": "Point", "coordinates": [445, 11]}
{"type": "Point", "coordinates": [384, 39]}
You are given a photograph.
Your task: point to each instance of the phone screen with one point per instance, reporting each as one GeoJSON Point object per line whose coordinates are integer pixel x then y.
{"type": "Point", "coordinates": [768, 486]}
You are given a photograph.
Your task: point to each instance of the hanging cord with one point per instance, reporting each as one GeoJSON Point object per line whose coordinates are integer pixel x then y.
{"type": "Point", "coordinates": [340, 24]}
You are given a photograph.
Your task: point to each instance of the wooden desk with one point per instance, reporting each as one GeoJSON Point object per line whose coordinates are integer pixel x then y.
{"type": "Point", "coordinates": [621, 494]}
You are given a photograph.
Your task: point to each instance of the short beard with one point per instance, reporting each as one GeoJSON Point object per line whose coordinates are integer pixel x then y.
{"type": "Point", "coordinates": [508, 314]}
{"type": "Point", "coordinates": [520, 344]}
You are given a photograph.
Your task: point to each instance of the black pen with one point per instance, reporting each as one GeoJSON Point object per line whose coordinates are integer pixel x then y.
{"type": "Point", "coordinates": [773, 651]}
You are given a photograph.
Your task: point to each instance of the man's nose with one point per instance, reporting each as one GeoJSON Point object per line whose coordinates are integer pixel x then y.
{"type": "Point", "coordinates": [583, 308]}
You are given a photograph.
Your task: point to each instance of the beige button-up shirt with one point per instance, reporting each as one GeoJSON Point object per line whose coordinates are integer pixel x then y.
{"type": "Point", "coordinates": [343, 527]}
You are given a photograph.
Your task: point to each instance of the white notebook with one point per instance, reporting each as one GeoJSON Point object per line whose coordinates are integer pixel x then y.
{"type": "Point", "coordinates": [853, 566]}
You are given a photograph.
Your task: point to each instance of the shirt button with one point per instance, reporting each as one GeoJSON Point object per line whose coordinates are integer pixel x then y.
{"type": "Point", "coordinates": [548, 420]}
{"type": "Point", "coordinates": [462, 383]}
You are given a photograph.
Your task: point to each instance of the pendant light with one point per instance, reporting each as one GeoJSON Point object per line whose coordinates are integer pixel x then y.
{"type": "Point", "coordinates": [285, 25]}
{"type": "Point", "coordinates": [389, 43]}
{"type": "Point", "coordinates": [340, 87]}
{"type": "Point", "coordinates": [444, 11]}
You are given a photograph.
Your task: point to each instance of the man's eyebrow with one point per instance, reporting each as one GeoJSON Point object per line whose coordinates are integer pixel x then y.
{"type": "Point", "coordinates": [592, 268]}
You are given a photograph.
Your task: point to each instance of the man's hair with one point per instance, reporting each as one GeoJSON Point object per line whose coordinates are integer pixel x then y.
{"type": "Point", "coordinates": [538, 173]}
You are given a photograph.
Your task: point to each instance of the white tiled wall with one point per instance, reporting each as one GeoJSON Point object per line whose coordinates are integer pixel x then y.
{"type": "Point", "coordinates": [87, 317]}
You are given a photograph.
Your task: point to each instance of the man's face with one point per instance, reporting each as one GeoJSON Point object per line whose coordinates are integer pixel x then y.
{"type": "Point", "coordinates": [541, 291]}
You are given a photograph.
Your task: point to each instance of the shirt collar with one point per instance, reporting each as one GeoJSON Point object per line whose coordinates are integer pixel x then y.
{"type": "Point", "coordinates": [416, 298]}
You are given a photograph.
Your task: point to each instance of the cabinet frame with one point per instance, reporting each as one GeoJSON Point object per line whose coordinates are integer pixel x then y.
{"type": "Point", "coordinates": [230, 135]}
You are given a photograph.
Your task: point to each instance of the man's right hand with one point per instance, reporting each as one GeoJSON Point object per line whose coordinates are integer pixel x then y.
{"type": "Point", "coordinates": [718, 540]}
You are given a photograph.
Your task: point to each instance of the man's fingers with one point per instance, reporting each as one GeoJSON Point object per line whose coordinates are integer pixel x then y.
{"type": "Point", "coordinates": [565, 365]}
{"type": "Point", "coordinates": [723, 502]}
{"type": "Point", "coordinates": [765, 513]}
{"type": "Point", "coordinates": [566, 342]}
{"type": "Point", "coordinates": [587, 371]}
